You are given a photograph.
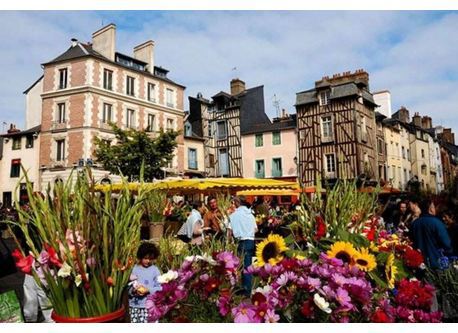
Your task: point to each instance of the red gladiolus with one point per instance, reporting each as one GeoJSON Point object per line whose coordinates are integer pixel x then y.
{"type": "Point", "coordinates": [380, 316]}
{"type": "Point", "coordinates": [23, 263]}
{"type": "Point", "coordinates": [54, 260]}
{"type": "Point", "coordinates": [371, 234]}
{"type": "Point", "coordinates": [320, 228]}
{"type": "Point", "coordinates": [110, 281]}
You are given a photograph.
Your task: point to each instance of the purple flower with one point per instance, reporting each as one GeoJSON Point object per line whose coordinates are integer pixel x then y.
{"type": "Point", "coordinates": [314, 283]}
{"type": "Point", "coordinates": [285, 278]}
{"type": "Point", "coordinates": [44, 258]}
{"type": "Point", "coordinates": [271, 316]}
{"type": "Point", "coordinates": [244, 313]}
{"type": "Point", "coordinates": [91, 262]}
{"type": "Point", "coordinates": [344, 299]}
{"type": "Point", "coordinates": [229, 260]}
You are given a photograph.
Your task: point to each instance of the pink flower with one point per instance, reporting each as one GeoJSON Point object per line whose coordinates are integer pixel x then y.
{"type": "Point", "coordinates": [244, 313]}
{"type": "Point", "coordinates": [271, 316]}
{"type": "Point", "coordinates": [344, 299]}
{"type": "Point", "coordinates": [229, 260]}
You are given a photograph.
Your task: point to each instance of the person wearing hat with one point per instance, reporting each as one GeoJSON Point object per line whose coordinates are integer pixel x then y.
{"type": "Point", "coordinates": [242, 227]}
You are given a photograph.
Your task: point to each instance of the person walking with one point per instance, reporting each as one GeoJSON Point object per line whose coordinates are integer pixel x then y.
{"type": "Point", "coordinates": [242, 227]}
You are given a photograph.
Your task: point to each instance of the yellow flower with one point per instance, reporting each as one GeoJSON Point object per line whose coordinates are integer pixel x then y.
{"type": "Point", "coordinates": [270, 250]}
{"type": "Point", "coordinates": [373, 247]}
{"type": "Point", "coordinates": [365, 261]}
{"type": "Point", "coordinates": [343, 251]}
{"type": "Point", "coordinates": [390, 271]}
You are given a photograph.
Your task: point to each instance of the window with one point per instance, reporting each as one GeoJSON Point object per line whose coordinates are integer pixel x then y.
{"type": "Point", "coordinates": [408, 154]}
{"type": "Point", "coordinates": [15, 168]}
{"type": "Point", "coordinates": [405, 175]}
{"type": "Point", "coordinates": [403, 152]}
{"type": "Point", "coordinates": [276, 167]}
{"type": "Point", "coordinates": [326, 128]}
{"type": "Point", "coordinates": [187, 129]}
{"type": "Point", "coordinates": [7, 199]}
{"type": "Point", "coordinates": [211, 160]}
{"type": "Point", "coordinates": [192, 158]}
{"type": "Point", "coordinates": [61, 113]}
{"type": "Point", "coordinates": [130, 118]}
{"type": "Point", "coordinates": [170, 125]}
{"type": "Point", "coordinates": [60, 156]}
{"type": "Point", "coordinates": [63, 78]}
{"type": "Point", "coordinates": [130, 85]}
{"type": "Point", "coordinates": [258, 140]}
{"type": "Point", "coordinates": [380, 146]}
{"type": "Point", "coordinates": [330, 163]}
{"type": "Point", "coordinates": [364, 129]}
{"type": "Point", "coordinates": [151, 92]}
{"type": "Point", "coordinates": [151, 119]}
{"type": "Point", "coordinates": [223, 162]}
{"type": "Point", "coordinates": [276, 138]}
{"type": "Point", "coordinates": [17, 143]}
{"type": "Point", "coordinates": [107, 113]}
{"type": "Point", "coordinates": [29, 141]}
{"type": "Point", "coordinates": [259, 169]}
{"type": "Point", "coordinates": [422, 153]}
{"type": "Point", "coordinates": [324, 97]}
{"type": "Point", "coordinates": [107, 79]}
{"type": "Point", "coordinates": [423, 169]}
{"type": "Point", "coordinates": [221, 130]}
{"type": "Point", "coordinates": [210, 130]}
{"type": "Point", "coordinates": [169, 98]}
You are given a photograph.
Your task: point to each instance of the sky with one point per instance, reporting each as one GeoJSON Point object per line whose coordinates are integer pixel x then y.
{"type": "Point", "coordinates": [413, 54]}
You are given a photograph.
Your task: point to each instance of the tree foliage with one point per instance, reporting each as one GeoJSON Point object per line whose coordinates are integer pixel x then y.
{"type": "Point", "coordinates": [132, 148]}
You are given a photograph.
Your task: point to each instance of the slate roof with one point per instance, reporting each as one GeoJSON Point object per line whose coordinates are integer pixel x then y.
{"type": "Point", "coordinates": [85, 50]}
{"type": "Point", "coordinates": [252, 110]}
{"type": "Point", "coordinates": [32, 130]}
{"type": "Point", "coordinates": [274, 126]}
{"type": "Point", "coordinates": [337, 91]}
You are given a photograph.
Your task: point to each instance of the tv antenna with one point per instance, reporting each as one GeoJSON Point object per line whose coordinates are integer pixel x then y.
{"type": "Point", "coordinates": [276, 104]}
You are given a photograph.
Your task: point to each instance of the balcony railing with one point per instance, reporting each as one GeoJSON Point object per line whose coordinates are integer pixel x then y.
{"type": "Point", "coordinates": [59, 125]}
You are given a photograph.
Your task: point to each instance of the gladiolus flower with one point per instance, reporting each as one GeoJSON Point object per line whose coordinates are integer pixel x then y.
{"type": "Point", "coordinates": [65, 270]}
{"type": "Point", "coordinates": [23, 263]}
{"type": "Point", "coordinates": [110, 281]}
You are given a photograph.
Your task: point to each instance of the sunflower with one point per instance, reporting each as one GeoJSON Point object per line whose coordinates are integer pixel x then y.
{"type": "Point", "coordinates": [365, 261]}
{"type": "Point", "coordinates": [390, 271]}
{"type": "Point", "coordinates": [270, 250]}
{"type": "Point", "coordinates": [343, 251]}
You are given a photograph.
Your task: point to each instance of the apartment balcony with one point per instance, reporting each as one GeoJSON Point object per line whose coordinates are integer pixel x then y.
{"type": "Point", "coordinates": [58, 126]}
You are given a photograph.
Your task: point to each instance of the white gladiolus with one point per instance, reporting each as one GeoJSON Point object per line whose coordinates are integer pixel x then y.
{"type": "Point", "coordinates": [78, 280]}
{"type": "Point", "coordinates": [321, 303]}
{"type": "Point", "coordinates": [167, 277]}
{"type": "Point", "coordinates": [65, 270]}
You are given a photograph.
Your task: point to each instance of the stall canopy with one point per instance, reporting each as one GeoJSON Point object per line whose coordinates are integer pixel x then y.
{"type": "Point", "coordinates": [208, 185]}
{"type": "Point", "coordinates": [274, 192]}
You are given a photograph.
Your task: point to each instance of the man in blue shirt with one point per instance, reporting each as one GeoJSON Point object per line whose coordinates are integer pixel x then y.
{"type": "Point", "coordinates": [242, 226]}
{"type": "Point", "coordinates": [429, 234]}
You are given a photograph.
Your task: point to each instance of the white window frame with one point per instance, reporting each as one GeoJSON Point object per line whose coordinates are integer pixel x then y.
{"type": "Point", "coordinates": [328, 164]}
{"type": "Point", "coordinates": [108, 84]}
{"type": "Point", "coordinates": [330, 124]}
{"type": "Point", "coordinates": [218, 134]}
{"type": "Point", "coordinates": [169, 121]}
{"type": "Point", "coordinates": [107, 110]}
{"type": "Point", "coordinates": [61, 113]}
{"type": "Point", "coordinates": [196, 165]}
{"type": "Point", "coordinates": [151, 122]}
{"type": "Point", "coordinates": [130, 118]}
{"type": "Point", "coordinates": [63, 79]}
{"type": "Point", "coordinates": [60, 151]}
{"type": "Point", "coordinates": [130, 85]}
{"type": "Point", "coordinates": [151, 93]}
{"type": "Point", "coordinates": [324, 97]}
{"type": "Point", "coordinates": [169, 97]}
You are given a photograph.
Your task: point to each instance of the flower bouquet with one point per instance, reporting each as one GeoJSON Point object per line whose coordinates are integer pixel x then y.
{"type": "Point", "coordinates": [83, 245]}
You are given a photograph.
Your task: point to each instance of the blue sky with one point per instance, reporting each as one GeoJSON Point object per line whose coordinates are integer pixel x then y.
{"type": "Point", "coordinates": [411, 53]}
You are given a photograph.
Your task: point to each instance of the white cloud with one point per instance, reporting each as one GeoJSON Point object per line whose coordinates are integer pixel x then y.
{"type": "Point", "coordinates": [412, 54]}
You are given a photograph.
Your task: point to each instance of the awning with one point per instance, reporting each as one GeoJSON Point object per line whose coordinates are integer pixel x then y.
{"type": "Point", "coordinates": [209, 185]}
{"type": "Point", "coordinates": [287, 192]}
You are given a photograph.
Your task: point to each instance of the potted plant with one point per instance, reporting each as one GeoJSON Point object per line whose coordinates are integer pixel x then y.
{"type": "Point", "coordinates": [83, 247]}
{"type": "Point", "coordinates": [154, 205]}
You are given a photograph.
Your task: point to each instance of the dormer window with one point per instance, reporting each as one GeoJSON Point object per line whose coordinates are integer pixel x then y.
{"type": "Point", "coordinates": [187, 129]}
{"type": "Point", "coordinates": [324, 97]}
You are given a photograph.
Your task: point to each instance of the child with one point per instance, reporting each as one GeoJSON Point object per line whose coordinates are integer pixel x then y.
{"type": "Point", "coordinates": [144, 281]}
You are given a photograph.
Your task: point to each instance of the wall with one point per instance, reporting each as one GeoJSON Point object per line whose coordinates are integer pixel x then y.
{"type": "Point", "coordinates": [33, 106]}
{"type": "Point", "coordinates": [286, 151]}
{"type": "Point", "coordinates": [199, 146]}
{"type": "Point", "coordinates": [383, 98]}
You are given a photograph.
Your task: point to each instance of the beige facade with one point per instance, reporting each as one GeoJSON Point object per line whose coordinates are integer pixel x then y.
{"type": "Point", "coordinates": [97, 90]}
{"type": "Point", "coordinates": [393, 157]}
{"type": "Point", "coordinates": [19, 149]}
{"type": "Point", "coordinates": [270, 158]}
{"type": "Point", "coordinates": [419, 149]}
{"type": "Point", "coordinates": [194, 157]}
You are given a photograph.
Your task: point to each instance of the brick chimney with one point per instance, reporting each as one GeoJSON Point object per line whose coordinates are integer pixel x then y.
{"type": "Point", "coordinates": [416, 119]}
{"type": "Point", "coordinates": [426, 122]}
{"type": "Point", "coordinates": [145, 52]}
{"type": "Point", "coordinates": [360, 77]}
{"type": "Point", "coordinates": [448, 136]}
{"type": "Point", "coordinates": [13, 129]}
{"type": "Point", "coordinates": [104, 41]}
{"type": "Point", "coordinates": [237, 86]}
{"type": "Point", "coordinates": [402, 115]}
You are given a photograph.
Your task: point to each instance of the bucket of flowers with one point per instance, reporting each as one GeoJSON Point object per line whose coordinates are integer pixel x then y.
{"type": "Point", "coordinates": [82, 247]}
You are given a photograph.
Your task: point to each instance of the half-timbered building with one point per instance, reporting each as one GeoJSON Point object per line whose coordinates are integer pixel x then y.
{"type": "Point", "coordinates": [223, 121]}
{"type": "Point", "coordinates": [336, 129]}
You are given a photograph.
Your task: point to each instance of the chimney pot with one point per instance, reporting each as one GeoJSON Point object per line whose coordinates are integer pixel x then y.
{"type": "Point", "coordinates": [237, 86]}
{"type": "Point", "coordinates": [74, 42]}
